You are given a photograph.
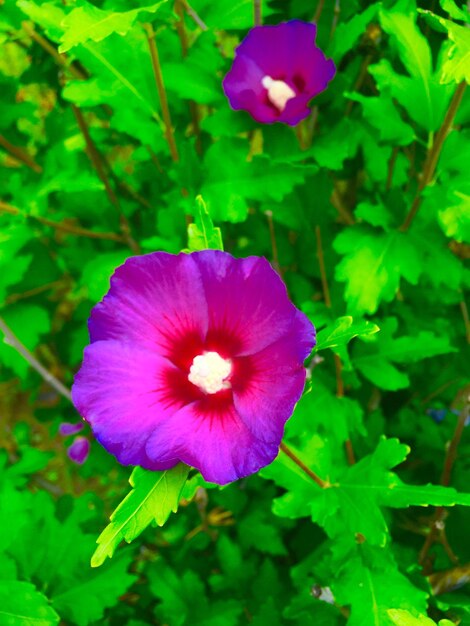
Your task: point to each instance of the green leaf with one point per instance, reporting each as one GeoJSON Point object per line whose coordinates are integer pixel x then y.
{"type": "Point", "coordinates": [347, 33]}
{"type": "Point", "coordinates": [455, 219]}
{"type": "Point", "coordinates": [98, 271]}
{"type": "Point", "coordinates": [454, 11]}
{"type": "Point", "coordinates": [342, 331]}
{"type": "Point", "coordinates": [196, 76]}
{"type": "Point", "coordinates": [384, 117]}
{"type": "Point", "coordinates": [401, 617]}
{"type": "Point", "coordinates": [456, 67]}
{"type": "Point", "coordinates": [203, 235]}
{"type": "Point", "coordinates": [22, 605]}
{"type": "Point", "coordinates": [87, 23]}
{"type": "Point", "coordinates": [231, 181]}
{"type": "Point", "coordinates": [153, 497]}
{"type": "Point", "coordinates": [83, 602]}
{"type": "Point", "coordinates": [373, 265]}
{"type": "Point", "coordinates": [376, 358]}
{"type": "Point", "coordinates": [420, 93]}
{"type": "Point", "coordinates": [372, 584]}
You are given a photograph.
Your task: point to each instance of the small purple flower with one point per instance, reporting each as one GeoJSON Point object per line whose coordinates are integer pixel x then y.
{"type": "Point", "coordinates": [80, 448]}
{"type": "Point", "coordinates": [277, 71]}
{"type": "Point", "coordinates": [194, 358]}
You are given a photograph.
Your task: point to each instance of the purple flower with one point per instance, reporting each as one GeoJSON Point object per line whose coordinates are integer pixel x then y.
{"type": "Point", "coordinates": [277, 71]}
{"type": "Point", "coordinates": [80, 448]}
{"type": "Point", "coordinates": [194, 358]}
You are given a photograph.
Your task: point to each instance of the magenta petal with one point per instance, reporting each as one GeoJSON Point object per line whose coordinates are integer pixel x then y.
{"type": "Point", "coordinates": [286, 52]}
{"type": "Point", "coordinates": [122, 391]}
{"type": "Point", "coordinates": [246, 299]}
{"type": "Point", "coordinates": [217, 443]}
{"type": "Point", "coordinates": [276, 382]}
{"type": "Point", "coordinates": [79, 450]}
{"type": "Point", "coordinates": [153, 298]}
{"type": "Point", "coordinates": [67, 428]}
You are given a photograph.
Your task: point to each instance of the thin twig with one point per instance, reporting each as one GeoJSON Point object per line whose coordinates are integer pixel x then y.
{"type": "Point", "coordinates": [318, 11]}
{"type": "Point", "coordinates": [67, 228]}
{"type": "Point", "coordinates": [194, 16]}
{"type": "Point", "coordinates": [466, 320]}
{"type": "Point", "coordinates": [433, 154]}
{"type": "Point", "coordinates": [98, 163]}
{"type": "Point", "coordinates": [321, 263]}
{"type": "Point", "coordinates": [193, 106]}
{"type": "Point", "coordinates": [157, 71]}
{"type": "Point", "coordinates": [359, 82]}
{"type": "Point", "coordinates": [15, 297]}
{"type": "Point", "coordinates": [272, 235]}
{"type": "Point", "coordinates": [391, 167]}
{"type": "Point", "coordinates": [338, 367]}
{"type": "Point", "coordinates": [288, 452]}
{"type": "Point", "coordinates": [337, 201]}
{"type": "Point", "coordinates": [334, 23]}
{"type": "Point", "coordinates": [20, 154]}
{"type": "Point", "coordinates": [60, 59]}
{"type": "Point", "coordinates": [438, 525]}
{"type": "Point", "coordinates": [257, 17]}
{"type": "Point", "coordinates": [12, 340]}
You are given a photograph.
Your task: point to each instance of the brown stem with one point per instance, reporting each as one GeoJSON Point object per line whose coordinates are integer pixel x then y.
{"type": "Point", "coordinates": [321, 263]}
{"type": "Point", "coordinates": [466, 320]}
{"type": "Point", "coordinates": [339, 379]}
{"type": "Point", "coordinates": [288, 452]}
{"type": "Point", "coordinates": [193, 107]}
{"type": "Point", "coordinates": [334, 23]}
{"type": "Point", "coordinates": [391, 167]}
{"type": "Point", "coordinates": [451, 454]}
{"type": "Point", "coordinates": [60, 59]}
{"type": "Point", "coordinates": [20, 154]}
{"type": "Point", "coordinates": [194, 16]}
{"type": "Point", "coordinates": [257, 17]}
{"type": "Point", "coordinates": [12, 340]}
{"type": "Point", "coordinates": [359, 81]}
{"type": "Point", "coordinates": [272, 235]}
{"type": "Point", "coordinates": [337, 201]}
{"type": "Point", "coordinates": [318, 11]}
{"type": "Point", "coordinates": [67, 228]}
{"type": "Point", "coordinates": [157, 71]}
{"type": "Point", "coordinates": [15, 297]}
{"type": "Point", "coordinates": [438, 526]}
{"type": "Point", "coordinates": [433, 154]}
{"type": "Point", "coordinates": [98, 163]}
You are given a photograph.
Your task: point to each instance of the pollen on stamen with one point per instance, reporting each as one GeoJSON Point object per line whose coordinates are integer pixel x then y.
{"type": "Point", "coordinates": [210, 372]}
{"type": "Point", "coordinates": [279, 92]}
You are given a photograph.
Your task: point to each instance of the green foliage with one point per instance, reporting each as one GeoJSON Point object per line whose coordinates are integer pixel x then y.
{"type": "Point", "coordinates": [203, 234]}
{"type": "Point", "coordinates": [88, 179]}
{"type": "Point", "coordinates": [153, 497]}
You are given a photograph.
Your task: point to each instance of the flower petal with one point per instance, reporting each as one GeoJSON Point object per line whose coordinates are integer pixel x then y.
{"type": "Point", "coordinates": [79, 450]}
{"type": "Point", "coordinates": [67, 428]}
{"type": "Point", "coordinates": [125, 392]}
{"type": "Point", "coordinates": [280, 50]}
{"type": "Point", "coordinates": [211, 437]}
{"type": "Point", "coordinates": [156, 301]}
{"type": "Point", "coordinates": [266, 398]}
{"type": "Point", "coordinates": [242, 86]}
{"type": "Point", "coordinates": [248, 303]}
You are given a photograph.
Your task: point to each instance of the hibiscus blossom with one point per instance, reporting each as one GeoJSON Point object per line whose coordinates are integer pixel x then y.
{"type": "Point", "coordinates": [194, 358]}
{"type": "Point", "coordinates": [277, 71]}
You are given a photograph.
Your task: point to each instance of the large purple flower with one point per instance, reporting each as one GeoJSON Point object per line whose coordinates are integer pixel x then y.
{"type": "Point", "coordinates": [195, 358]}
{"type": "Point", "coordinates": [277, 71]}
